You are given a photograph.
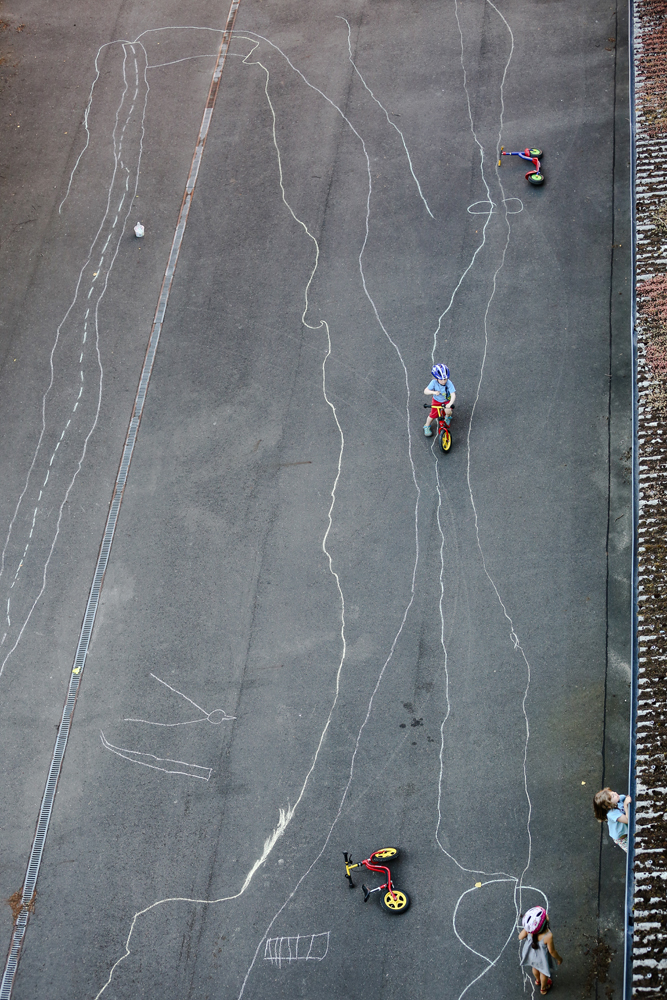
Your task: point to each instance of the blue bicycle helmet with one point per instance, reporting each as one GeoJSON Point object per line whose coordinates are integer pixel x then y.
{"type": "Point", "coordinates": [440, 371]}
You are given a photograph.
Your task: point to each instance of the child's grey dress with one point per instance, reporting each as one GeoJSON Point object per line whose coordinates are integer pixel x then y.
{"type": "Point", "coordinates": [536, 959]}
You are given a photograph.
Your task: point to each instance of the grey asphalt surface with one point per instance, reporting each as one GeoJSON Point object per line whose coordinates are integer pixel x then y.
{"type": "Point", "coordinates": [365, 643]}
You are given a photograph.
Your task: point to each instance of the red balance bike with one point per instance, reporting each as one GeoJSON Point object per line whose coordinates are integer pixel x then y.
{"type": "Point", "coordinates": [444, 431]}
{"type": "Point", "coordinates": [534, 175]}
{"type": "Point", "coordinates": [391, 899]}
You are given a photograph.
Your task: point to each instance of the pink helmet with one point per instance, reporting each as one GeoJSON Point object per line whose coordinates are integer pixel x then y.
{"type": "Point", "coordinates": [534, 919]}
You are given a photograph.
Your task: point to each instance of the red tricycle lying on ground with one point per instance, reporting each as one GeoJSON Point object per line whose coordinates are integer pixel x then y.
{"type": "Point", "coordinates": [391, 899]}
{"type": "Point", "coordinates": [534, 175]}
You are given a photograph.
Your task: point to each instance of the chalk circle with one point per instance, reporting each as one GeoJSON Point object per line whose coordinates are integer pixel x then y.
{"type": "Point", "coordinates": [474, 210]}
{"type": "Point", "coordinates": [217, 716]}
{"type": "Point", "coordinates": [512, 206]}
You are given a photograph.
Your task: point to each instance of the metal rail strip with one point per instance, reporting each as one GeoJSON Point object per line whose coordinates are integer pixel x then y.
{"type": "Point", "coordinates": [634, 645]}
{"type": "Point", "coordinates": [646, 890]}
{"type": "Point", "coordinates": [44, 817]}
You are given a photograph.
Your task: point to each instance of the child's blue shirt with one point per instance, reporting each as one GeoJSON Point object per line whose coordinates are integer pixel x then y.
{"type": "Point", "coordinates": [616, 829]}
{"type": "Point", "coordinates": [442, 392]}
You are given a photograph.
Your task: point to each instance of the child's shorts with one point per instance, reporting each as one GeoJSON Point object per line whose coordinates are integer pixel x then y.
{"type": "Point", "coordinates": [434, 412]}
{"type": "Point", "coordinates": [623, 843]}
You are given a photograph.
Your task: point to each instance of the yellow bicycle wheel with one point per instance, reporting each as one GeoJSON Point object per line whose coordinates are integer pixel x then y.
{"type": "Point", "coordinates": [445, 439]}
{"type": "Point", "coordinates": [384, 854]}
{"type": "Point", "coordinates": [398, 903]}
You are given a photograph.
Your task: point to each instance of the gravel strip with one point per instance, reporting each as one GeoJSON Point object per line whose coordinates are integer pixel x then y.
{"type": "Point", "coordinates": [649, 952]}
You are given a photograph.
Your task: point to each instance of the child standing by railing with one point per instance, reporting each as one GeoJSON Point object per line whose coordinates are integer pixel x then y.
{"type": "Point", "coordinates": [613, 808]}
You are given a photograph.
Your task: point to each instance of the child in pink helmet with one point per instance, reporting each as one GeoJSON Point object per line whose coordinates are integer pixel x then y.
{"type": "Point", "coordinates": [538, 950]}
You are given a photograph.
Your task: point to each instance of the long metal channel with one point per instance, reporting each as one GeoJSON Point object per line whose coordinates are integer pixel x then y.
{"type": "Point", "coordinates": [646, 964]}
{"type": "Point", "coordinates": [634, 642]}
{"type": "Point", "coordinates": [44, 817]}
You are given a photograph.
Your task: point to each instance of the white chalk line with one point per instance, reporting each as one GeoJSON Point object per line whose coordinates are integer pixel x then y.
{"type": "Point", "coordinates": [493, 206]}
{"type": "Point", "coordinates": [82, 647]}
{"type": "Point", "coordinates": [284, 826]}
{"type": "Point", "coordinates": [513, 635]}
{"type": "Point", "coordinates": [117, 160]}
{"type": "Point", "coordinates": [416, 514]}
{"type": "Point", "coordinates": [489, 201]}
{"type": "Point", "coordinates": [311, 328]}
{"type": "Point", "coordinates": [322, 325]}
{"type": "Point", "coordinates": [386, 114]}
{"type": "Point", "coordinates": [101, 563]}
{"type": "Point", "coordinates": [117, 151]}
{"type": "Point", "coordinates": [285, 816]}
{"type": "Point", "coordinates": [2, 562]}
{"type": "Point", "coordinates": [125, 41]}
{"type": "Point", "coordinates": [491, 962]}
{"type": "Point", "coordinates": [278, 950]}
{"type": "Point", "coordinates": [173, 62]}
{"type": "Point", "coordinates": [517, 881]}
{"type": "Point", "coordinates": [221, 715]}
{"type": "Point", "coordinates": [55, 344]}
{"type": "Point", "coordinates": [136, 757]}
{"type": "Point", "coordinates": [442, 537]}
{"type": "Point", "coordinates": [269, 843]}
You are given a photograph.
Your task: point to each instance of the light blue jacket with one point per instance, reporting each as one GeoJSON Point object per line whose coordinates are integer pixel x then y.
{"type": "Point", "coordinates": [616, 829]}
{"type": "Point", "coordinates": [443, 392]}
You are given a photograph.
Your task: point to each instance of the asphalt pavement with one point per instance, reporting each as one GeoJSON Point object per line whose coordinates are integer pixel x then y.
{"type": "Point", "coordinates": [315, 633]}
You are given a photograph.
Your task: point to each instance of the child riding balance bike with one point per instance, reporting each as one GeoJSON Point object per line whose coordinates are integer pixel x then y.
{"type": "Point", "coordinates": [442, 389]}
